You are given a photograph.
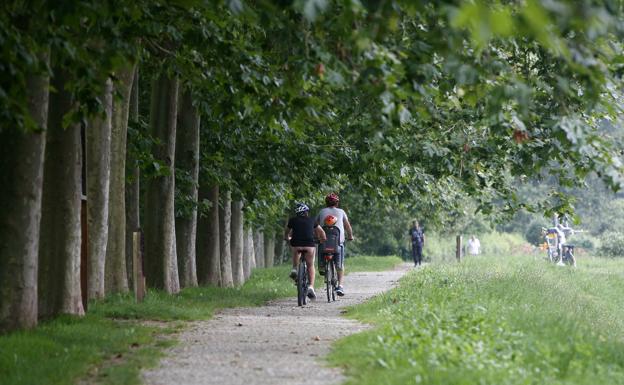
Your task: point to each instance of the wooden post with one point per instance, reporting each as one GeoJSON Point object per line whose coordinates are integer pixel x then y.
{"type": "Point", "coordinates": [137, 267]}
{"type": "Point", "coordinates": [458, 250]}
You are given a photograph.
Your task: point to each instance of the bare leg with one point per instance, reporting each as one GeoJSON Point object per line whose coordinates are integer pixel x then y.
{"type": "Point", "coordinates": [295, 257]}
{"type": "Point", "coordinates": [310, 260]}
{"type": "Point", "coordinates": [340, 274]}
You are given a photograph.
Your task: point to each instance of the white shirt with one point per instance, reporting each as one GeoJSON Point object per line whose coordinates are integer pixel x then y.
{"type": "Point", "coordinates": [473, 246]}
{"type": "Point", "coordinates": [339, 214]}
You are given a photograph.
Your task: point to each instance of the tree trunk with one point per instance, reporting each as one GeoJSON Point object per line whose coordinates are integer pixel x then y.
{"type": "Point", "coordinates": [98, 148]}
{"type": "Point", "coordinates": [208, 242]}
{"type": "Point", "coordinates": [116, 274]}
{"type": "Point", "coordinates": [60, 240]}
{"type": "Point", "coordinates": [133, 175]}
{"type": "Point", "coordinates": [259, 246]}
{"type": "Point", "coordinates": [21, 178]}
{"type": "Point", "coordinates": [279, 249]}
{"type": "Point", "coordinates": [187, 159]}
{"type": "Point", "coordinates": [225, 220]}
{"type": "Point", "coordinates": [248, 253]}
{"type": "Point", "coordinates": [269, 248]}
{"type": "Point", "coordinates": [238, 275]}
{"type": "Point", "coordinates": [160, 190]}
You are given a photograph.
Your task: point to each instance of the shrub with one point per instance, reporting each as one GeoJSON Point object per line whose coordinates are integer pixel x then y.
{"type": "Point", "coordinates": [611, 244]}
{"type": "Point", "coordinates": [534, 232]}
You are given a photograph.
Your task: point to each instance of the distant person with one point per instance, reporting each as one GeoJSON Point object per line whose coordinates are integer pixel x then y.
{"type": "Point", "coordinates": [300, 232]}
{"type": "Point", "coordinates": [346, 232]}
{"type": "Point", "coordinates": [474, 246]}
{"type": "Point", "coordinates": [417, 236]}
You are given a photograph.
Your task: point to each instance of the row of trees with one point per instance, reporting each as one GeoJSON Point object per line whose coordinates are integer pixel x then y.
{"type": "Point", "coordinates": [203, 119]}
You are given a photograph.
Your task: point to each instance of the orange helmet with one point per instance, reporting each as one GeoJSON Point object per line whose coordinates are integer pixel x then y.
{"type": "Point", "coordinates": [330, 220]}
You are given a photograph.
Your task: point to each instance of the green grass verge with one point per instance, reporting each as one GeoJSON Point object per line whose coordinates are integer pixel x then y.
{"type": "Point", "coordinates": [515, 320]}
{"type": "Point", "coordinates": [111, 344]}
{"type": "Point", "coordinates": [370, 263]}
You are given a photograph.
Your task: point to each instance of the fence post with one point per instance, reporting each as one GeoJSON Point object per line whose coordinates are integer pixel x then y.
{"type": "Point", "coordinates": [458, 250]}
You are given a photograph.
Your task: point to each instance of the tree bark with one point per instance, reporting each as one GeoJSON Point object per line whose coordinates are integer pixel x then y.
{"type": "Point", "coordinates": [225, 220]}
{"type": "Point", "coordinates": [160, 190]}
{"type": "Point", "coordinates": [21, 178]}
{"type": "Point", "coordinates": [98, 148]}
{"type": "Point", "coordinates": [208, 240]}
{"type": "Point", "coordinates": [116, 274]}
{"type": "Point", "coordinates": [187, 159]}
{"type": "Point", "coordinates": [238, 275]}
{"type": "Point", "coordinates": [248, 253]}
{"type": "Point", "coordinates": [60, 236]}
{"type": "Point", "coordinates": [279, 249]}
{"type": "Point", "coordinates": [133, 175]}
{"type": "Point", "coordinates": [259, 248]}
{"type": "Point", "coordinates": [269, 248]}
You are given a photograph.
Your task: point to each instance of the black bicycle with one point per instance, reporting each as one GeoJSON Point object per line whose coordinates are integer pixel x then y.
{"type": "Point", "coordinates": [329, 253]}
{"type": "Point", "coordinates": [331, 277]}
{"type": "Point", "coordinates": [302, 281]}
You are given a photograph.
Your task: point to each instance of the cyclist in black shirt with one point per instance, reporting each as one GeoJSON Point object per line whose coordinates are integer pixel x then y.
{"type": "Point", "coordinates": [300, 232]}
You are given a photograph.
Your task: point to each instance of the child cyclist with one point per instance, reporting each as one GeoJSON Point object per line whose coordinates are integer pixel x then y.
{"type": "Point", "coordinates": [300, 231]}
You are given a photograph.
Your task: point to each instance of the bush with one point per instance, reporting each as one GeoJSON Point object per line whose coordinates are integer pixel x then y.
{"type": "Point", "coordinates": [611, 244]}
{"type": "Point", "coordinates": [533, 233]}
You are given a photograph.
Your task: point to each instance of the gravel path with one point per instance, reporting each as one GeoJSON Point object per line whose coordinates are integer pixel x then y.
{"type": "Point", "coordinates": [271, 344]}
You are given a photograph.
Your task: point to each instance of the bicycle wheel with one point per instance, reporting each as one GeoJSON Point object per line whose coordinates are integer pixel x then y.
{"type": "Point", "coordinates": [302, 283]}
{"type": "Point", "coordinates": [328, 281]}
{"type": "Point", "coordinates": [334, 279]}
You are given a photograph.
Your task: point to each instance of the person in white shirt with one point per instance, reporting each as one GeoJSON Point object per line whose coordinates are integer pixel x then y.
{"type": "Point", "coordinates": [346, 232]}
{"type": "Point", "coordinates": [474, 246]}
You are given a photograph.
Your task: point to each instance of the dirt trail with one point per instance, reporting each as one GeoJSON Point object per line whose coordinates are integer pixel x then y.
{"type": "Point", "coordinates": [279, 343]}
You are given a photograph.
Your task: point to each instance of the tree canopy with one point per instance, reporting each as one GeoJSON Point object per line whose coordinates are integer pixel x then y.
{"type": "Point", "coordinates": [388, 99]}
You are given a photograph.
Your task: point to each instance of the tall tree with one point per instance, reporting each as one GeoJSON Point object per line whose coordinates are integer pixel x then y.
{"type": "Point", "coordinates": [225, 233]}
{"type": "Point", "coordinates": [248, 253]}
{"type": "Point", "coordinates": [98, 154]}
{"type": "Point", "coordinates": [21, 177]}
{"type": "Point", "coordinates": [269, 248]}
{"type": "Point", "coordinates": [116, 274]}
{"type": "Point", "coordinates": [133, 178]}
{"type": "Point", "coordinates": [238, 239]}
{"type": "Point", "coordinates": [187, 168]}
{"type": "Point", "coordinates": [60, 235]}
{"type": "Point", "coordinates": [208, 240]}
{"type": "Point", "coordinates": [160, 189]}
{"type": "Point", "coordinates": [259, 248]}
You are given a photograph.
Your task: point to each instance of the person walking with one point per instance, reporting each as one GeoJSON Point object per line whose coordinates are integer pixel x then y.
{"type": "Point", "coordinates": [474, 246]}
{"type": "Point", "coordinates": [417, 236]}
{"type": "Point", "coordinates": [342, 222]}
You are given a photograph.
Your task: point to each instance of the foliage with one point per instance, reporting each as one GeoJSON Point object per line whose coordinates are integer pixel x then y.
{"type": "Point", "coordinates": [491, 320]}
{"type": "Point", "coordinates": [533, 232]}
{"type": "Point", "coordinates": [391, 100]}
{"type": "Point", "coordinates": [611, 244]}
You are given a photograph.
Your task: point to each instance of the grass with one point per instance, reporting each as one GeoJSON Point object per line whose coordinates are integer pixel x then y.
{"type": "Point", "coordinates": [514, 320]}
{"type": "Point", "coordinates": [370, 263]}
{"type": "Point", "coordinates": [114, 341]}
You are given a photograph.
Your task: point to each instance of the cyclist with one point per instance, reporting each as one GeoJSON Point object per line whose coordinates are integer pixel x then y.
{"type": "Point", "coordinates": [562, 232]}
{"type": "Point", "coordinates": [300, 231]}
{"type": "Point", "coordinates": [342, 222]}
